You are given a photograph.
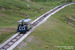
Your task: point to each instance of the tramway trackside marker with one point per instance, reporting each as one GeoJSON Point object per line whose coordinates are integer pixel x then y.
{"type": "Point", "coordinates": [28, 6]}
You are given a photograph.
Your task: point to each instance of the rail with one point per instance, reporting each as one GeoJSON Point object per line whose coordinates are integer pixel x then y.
{"type": "Point", "coordinates": [17, 37]}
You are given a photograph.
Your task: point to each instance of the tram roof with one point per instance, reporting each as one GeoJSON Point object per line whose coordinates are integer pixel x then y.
{"type": "Point", "coordinates": [24, 20]}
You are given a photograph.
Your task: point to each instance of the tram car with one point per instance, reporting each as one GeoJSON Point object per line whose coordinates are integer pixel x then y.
{"type": "Point", "coordinates": [24, 25]}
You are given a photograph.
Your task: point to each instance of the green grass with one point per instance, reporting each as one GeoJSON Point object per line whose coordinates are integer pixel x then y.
{"type": "Point", "coordinates": [12, 11]}
{"type": "Point", "coordinates": [16, 10]}
{"type": "Point", "coordinates": [5, 36]}
{"type": "Point", "coordinates": [54, 32]}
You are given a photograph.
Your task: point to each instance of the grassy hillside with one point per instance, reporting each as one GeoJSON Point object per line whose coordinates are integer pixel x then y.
{"type": "Point", "coordinates": [55, 32]}
{"type": "Point", "coordinates": [12, 11]}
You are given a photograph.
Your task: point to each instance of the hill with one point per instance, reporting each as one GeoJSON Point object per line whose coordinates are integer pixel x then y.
{"type": "Point", "coordinates": [12, 11]}
{"type": "Point", "coordinates": [55, 34]}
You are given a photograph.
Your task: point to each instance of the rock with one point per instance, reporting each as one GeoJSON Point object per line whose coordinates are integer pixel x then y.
{"type": "Point", "coordinates": [3, 9]}
{"type": "Point", "coordinates": [27, 0]}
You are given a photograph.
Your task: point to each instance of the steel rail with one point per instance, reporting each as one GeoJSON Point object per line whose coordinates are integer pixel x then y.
{"type": "Point", "coordinates": [16, 38]}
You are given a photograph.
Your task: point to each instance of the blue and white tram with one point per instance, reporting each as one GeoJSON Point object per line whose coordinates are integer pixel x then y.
{"type": "Point", "coordinates": [24, 25]}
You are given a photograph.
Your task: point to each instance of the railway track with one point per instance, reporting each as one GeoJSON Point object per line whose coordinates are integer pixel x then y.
{"type": "Point", "coordinates": [40, 19]}
{"type": "Point", "coordinates": [17, 37]}
{"type": "Point", "coordinates": [12, 41]}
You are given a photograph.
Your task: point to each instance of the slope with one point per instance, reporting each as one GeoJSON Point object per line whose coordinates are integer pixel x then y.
{"type": "Point", "coordinates": [55, 34]}
{"type": "Point", "coordinates": [12, 11]}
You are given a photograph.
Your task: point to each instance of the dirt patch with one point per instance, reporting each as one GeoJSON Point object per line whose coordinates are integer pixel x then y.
{"type": "Point", "coordinates": [22, 45]}
{"type": "Point", "coordinates": [0, 14]}
{"type": "Point", "coordinates": [41, 9]}
{"type": "Point", "coordinates": [0, 32]}
{"type": "Point", "coordinates": [68, 20]}
{"type": "Point", "coordinates": [70, 23]}
{"type": "Point", "coordinates": [25, 14]}
{"type": "Point", "coordinates": [19, 10]}
{"type": "Point", "coordinates": [30, 39]}
{"type": "Point", "coordinates": [71, 18]}
{"type": "Point", "coordinates": [55, 19]}
{"type": "Point", "coordinates": [6, 30]}
{"type": "Point", "coordinates": [35, 40]}
{"type": "Point", "coordinates": [28, 15]}
{"type": "Point", "coordinates": [3, 9]}
{"type": "Point", "coordinates": [27, 0]}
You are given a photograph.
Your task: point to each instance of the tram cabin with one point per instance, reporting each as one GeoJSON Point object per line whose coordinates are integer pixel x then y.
{"type": "Point", "coordinates": [24, 25]}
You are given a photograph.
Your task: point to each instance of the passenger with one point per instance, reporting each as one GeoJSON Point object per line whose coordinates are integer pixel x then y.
{"type": "Point", "coordinates": [22, 24]}
{"type": "Point", "coordinates": [26, 27]}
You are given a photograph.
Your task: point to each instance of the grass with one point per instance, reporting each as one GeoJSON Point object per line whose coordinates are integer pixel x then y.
{"type": "Point", "coordinates": [12, 11]}
{"type": "Point", "coordinates": [54, 32]}
{"type": "Point", "coordinates": [17, 10]}
{"type": "Point", "coordinates": [3, 36]}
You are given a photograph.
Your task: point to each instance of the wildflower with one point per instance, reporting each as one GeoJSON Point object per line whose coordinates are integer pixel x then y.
{"type": "Point", "coordinates": [46, 46]}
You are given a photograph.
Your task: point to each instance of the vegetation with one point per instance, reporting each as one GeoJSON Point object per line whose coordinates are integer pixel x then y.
{"type": "Point", "coordinates": [68, 0]}
{"type": "Point", "coordinates": [51, 0]}
{"type": "Point", "coordinates": [54, 34]}
{"type": "Point", "coordinates": [44, 0]}
{"type": "Point", "coordinates": [12, 11]}
{"type": "Point", "coordinates": [3, 36]}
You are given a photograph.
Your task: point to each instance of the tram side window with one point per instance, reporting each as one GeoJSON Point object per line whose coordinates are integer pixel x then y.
{"type": "Point", "coordinates": [26, 24]}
